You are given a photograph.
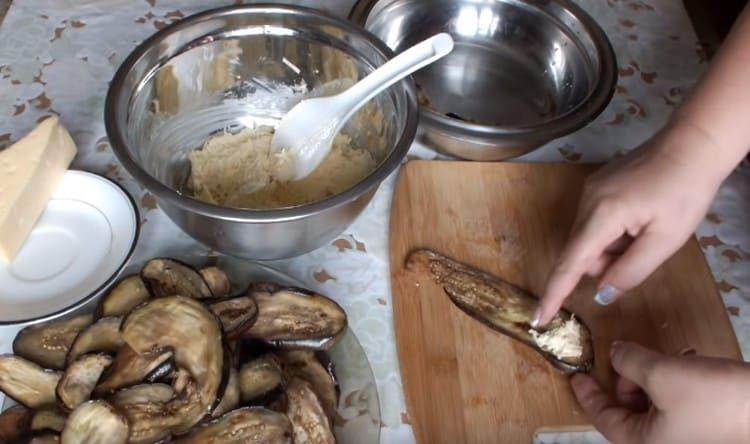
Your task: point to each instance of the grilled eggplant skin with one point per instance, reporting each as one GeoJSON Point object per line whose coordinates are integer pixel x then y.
{"type": "Point", "coordinates": [496, 303]}
{"type": "Point", "coordinates": [27, 383]}
{"type": "Point", "coordinates": [95, 422]}
{"type": "Point", "coordinates": [80, 378]}
{"type": "Point", "coordinates": [245, 425]}
{"type": "Point", "coordinates": [48, 344]}
{"type": "Point", "coordinates": [168, 277]}
{"type": "Point", "coordinates": [125, 296]}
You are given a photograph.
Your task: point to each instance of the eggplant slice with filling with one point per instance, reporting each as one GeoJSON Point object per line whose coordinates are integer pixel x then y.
{"type": "Point", "coordinates": [246, 425]}
{"type": "Point", "coordinates": [95, 422]}
{"type": "Point", "coordinates": [168, 277]}
{"type": "Point", "coordinates": [127, 294]}
{"type": "Point", "coordinates": [292, 318]}
{"type": "Point", "coordinates": [101, 336]}
{"type": "Point", "coordinates": [28, 383]}
{"type": "Point", "coordinates": [48, 344]}
{"type": "Point", "coordinates": [80, 378]}
{"type": "Point", "coordinates": [501, 306]}
{"type": "Point", "coordinates": [194, 334]}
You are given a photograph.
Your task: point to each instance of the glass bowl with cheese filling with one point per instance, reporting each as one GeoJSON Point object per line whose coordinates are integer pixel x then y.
{"type": "Point", "coordinates": [192, 111]}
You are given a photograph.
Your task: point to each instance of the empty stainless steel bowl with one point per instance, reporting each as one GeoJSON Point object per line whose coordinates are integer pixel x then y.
{"type": "Point", "coordinates": [237, 67]}
{"type": "Point", "coordinates": [522, 73]}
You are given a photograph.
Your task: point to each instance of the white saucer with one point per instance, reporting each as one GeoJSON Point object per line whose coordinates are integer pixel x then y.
{"type": "Point", "coordinates": [78, 247]}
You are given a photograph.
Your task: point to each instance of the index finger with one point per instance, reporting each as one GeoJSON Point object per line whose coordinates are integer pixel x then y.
{"type": "Point", "coordinates": [585, 246]}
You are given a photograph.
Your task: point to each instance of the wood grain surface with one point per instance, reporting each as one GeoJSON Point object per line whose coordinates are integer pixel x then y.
{"type": "Point", "coordinates": [465, 383]}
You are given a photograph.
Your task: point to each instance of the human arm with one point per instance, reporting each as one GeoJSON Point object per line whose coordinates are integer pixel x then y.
{"type": "Point", "coordinates": [638, 210]}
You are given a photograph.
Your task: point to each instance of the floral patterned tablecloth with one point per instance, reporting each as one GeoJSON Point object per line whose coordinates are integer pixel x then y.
{"type": "Point", "coordinates": [57, 58]}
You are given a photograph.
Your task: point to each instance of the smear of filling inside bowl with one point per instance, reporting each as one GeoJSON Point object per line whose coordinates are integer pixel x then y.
{"type": "Point", "coordinates": [241, 171]}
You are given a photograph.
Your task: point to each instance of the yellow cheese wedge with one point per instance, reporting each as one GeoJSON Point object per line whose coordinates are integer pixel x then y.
{"type": "Point", "coordinates": [30, 170]}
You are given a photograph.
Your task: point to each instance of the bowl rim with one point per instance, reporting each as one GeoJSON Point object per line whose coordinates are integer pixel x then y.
{"type": "Point", "coordinates": [582, 114]}
{"type": "Point", "coordinates": [274, 215]}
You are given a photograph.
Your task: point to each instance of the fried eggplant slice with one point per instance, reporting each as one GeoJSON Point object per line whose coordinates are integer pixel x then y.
{"type": "Point", "coordinates": [168, 277]}
{"type": "Point", "coordinates": [80, 378]}
{"type": "Point", "coordinates": [142, 394]}
{"type": "Point", "coordinates": [152, 420]}
{"type": "Point", "coordinates": [305, 365]}
{"type": "Point", "coordinates": [501, 306]}
{"type": "Point", "coordinates": [95, 422]}
{"type": "Point", "coordinates": [297, 319]}
{"type": "Point", "coordinates": [194, 334]}
{"type": "Point", "coordinates": [217, 281]}
{"type": "Point", "coordinates": [259, 377]}
{"type": "Point", "coordinates": [246, 425]}
{"type": "Point", "coordinates": [125, 296]}
{"type": "Point", "coordinates": [236, 314]}
{"type": "Point", "coordinates": [15, 424]}
{"type": "Point", "coordinates": [27, 383]}
{"type": "Point", "coordinates": [130, 368]}
{"type": "Point", "coordinates": [47, 438]}
{"type": "Point", "coordinates": [48, 344]}
{"type": "Point", "coordinates": [231, 397]}
{"type": "Point", "coordinates": [309, 421]}
{"type": "Point", "coordinates": [48, 420]}
{"type": "Point", "coordinates": [101, 336]}
{"type": "Point", "coordinates": [143, 406]}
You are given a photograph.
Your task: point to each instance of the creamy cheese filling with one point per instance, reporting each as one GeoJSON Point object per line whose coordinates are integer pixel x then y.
{"type": "Point", "coordinates": [563, 340]}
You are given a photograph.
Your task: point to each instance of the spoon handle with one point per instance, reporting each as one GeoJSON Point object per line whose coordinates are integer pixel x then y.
{"type": "Point", "coordinates": [409, 61]}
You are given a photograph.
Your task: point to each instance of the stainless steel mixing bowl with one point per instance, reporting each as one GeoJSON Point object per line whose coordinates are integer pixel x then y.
{"type": "Point", "coordinates": [522, 73]}
{"type": "Point", "coordinates": [237, 67]}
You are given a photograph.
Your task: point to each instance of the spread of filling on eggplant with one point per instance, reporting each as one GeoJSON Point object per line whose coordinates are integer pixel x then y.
{"type": "Point", "coordinates": [508, 309]}
{"type": "Point", "coordinates": [170, 355]}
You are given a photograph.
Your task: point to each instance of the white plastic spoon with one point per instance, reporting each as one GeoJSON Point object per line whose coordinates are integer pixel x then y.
{"type": "Point", "coordinates": [305, 134]}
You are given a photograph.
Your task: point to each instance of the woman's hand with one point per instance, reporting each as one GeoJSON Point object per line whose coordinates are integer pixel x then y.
{"type": "Point", "coordinates": [669, 399]}
{"type": "Point", "coordinates": [634, 214]}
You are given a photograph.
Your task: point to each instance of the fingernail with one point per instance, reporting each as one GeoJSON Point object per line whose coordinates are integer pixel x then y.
{"type": "Point", "coordinates": [536, 318]}
{"type": "Point", "coordinates": [613, 347]}
{"type": "Point", "coordinates": [606, 295]}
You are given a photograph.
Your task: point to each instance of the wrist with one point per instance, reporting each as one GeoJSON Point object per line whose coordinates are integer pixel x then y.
{"type": "Point", "coordinates": [713, 158]}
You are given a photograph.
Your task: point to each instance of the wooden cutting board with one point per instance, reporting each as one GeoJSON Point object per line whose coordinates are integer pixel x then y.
{"type": "Point", "coordinates": [465, 383]}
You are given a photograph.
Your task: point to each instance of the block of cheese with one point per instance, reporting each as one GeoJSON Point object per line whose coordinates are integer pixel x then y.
{"type": "Point", "coordinates": [30, 170]}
